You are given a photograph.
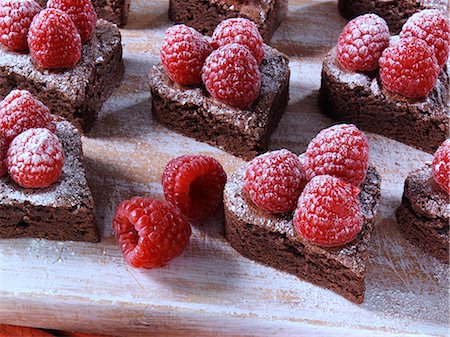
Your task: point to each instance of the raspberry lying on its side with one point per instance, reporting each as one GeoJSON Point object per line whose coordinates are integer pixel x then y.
{"type": "Point", "coordinates": [195, 185]}
{"type": "Point", "coordinates": [15, 21]}
{"type": "Point", "coordinates": [341, 151]}
{"type": "Point", "coordinates": [150, 232]}
{"type": "Point", "coordinates": [81, 12]}
{"type": "Point", "coordinates": [274, 181]}
{"type": "Point", "coordinates": [35, 158]}
{"type": "Point", "coordinates": [242, 31]}
{"type": "Point", "coordinates": [441, 166]}
{"type": "Point", "coordinates": [231, 74]}
{"type": "Point", "coordinates": [433, 27]}
{"type": "Point", "coordinates": [409, 68]}
{"type": "Point", "coordinates": [328, 212]}
{"type": "Point", "coordinates": [3, 151]}
{"type": "Point", "coordinates": [362, 41]}
{"type": "Point", "coordinates": [183, 53]}
{"type": "Point", "coordinates": [54, 48]}
{"type": "Point", "coordinates": [20, 111]}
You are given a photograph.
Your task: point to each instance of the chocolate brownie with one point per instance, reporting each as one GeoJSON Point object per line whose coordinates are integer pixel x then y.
{"type": "Point", "coordinates": [359, 98]}
{"type": "Point", "coordinates": [424, 213]}
{"type": "Point", "coordinates": [205, 15]}
{"type": "Point", "coordinates": [242, 132]}
{"type": "Point", "coordinates": [77, 94]}
{"type": "Point", "coordinates": [63, 211]}
{"type": "Point", "coordinates": [271, 239]}
{"type": "Point", "coordinates": [115, 11]}
{"type": "Point", "coordinates": [395, 12]}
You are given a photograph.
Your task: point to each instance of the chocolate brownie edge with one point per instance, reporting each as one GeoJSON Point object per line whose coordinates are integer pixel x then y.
{"type": "Point", "coordinates": [432, 239]}
{"type": "Point", "coordinates": [274, 244]}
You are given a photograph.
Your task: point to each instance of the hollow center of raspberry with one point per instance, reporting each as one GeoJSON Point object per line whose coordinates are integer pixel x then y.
{"type": "Point", "coordinates": [201, 192]}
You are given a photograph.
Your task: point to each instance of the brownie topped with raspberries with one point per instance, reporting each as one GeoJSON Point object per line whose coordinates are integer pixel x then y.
{"type": "Point", "coordinates": [72, 72]}
{"type": "Point", "coordinates": [395, 12]}
{"type": "Point", "coordinates": [397, 87]}
{"type": "Point", "coordinates": [206, 15]}
{"type": "Point", "coordinates": [424, 214]}
{"type": "Point", "coordinates": [335, 197]}
{"type": "Point", "coordinates": [237, 107]}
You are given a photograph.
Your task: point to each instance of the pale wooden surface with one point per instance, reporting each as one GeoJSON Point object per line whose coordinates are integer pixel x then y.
{"type": "Point", "coordinates": [211, 289]}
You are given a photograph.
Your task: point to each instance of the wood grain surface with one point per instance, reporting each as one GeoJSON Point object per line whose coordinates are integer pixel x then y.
{"type": "Point", "coordinates": [211, 289]}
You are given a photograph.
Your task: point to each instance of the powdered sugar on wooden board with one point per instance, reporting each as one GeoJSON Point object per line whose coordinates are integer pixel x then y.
{"type": "Point", "coordinates": [211, 289]}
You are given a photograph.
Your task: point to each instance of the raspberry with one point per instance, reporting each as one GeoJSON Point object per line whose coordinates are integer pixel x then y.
{"type": "Point", "coordinates": [150, 232]}
{"type": "Point", "coordinates": [362, 41]}
{"type": "Point", "coordinates": [409, 68]}
{"type": "Point", "coordinates": [3, 150]}
{"type": "Point", "coordinates": [231, 74]}
{"type": "Point", "coordinates": [241, 31]}
{"type": "Point", "coordinates": [275, 180]}
{"type": "Point", "coordinates": [433, 27]}
{"type": "Point", "coordinates": [20, 111]}
{"type": "Point", "coordinates": [54, 40]}
{"type": "Point", "coordinates": [441, 166]}
{"type": "Point", "coordinates": [15, 20]}
{"type": "Point", "coordinates": [195, 185]}
{"type": "Point", "coordinates": [328, 212]}
{"type": "Point", "coordinates": [81, 12]}
{"type": "Point", "coordinates": [341, 151]}
{"type": "Point", "coordinates": [183, 52]}
{"type": "Point", "coordinates": [35, 158]}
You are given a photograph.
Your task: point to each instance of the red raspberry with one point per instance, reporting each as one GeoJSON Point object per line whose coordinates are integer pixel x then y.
{"type": "Point", "coordinates": [54, 40]}
{"type": "Point", "coordinates": [81, 12]}
{"type": "Point", "coordinates": [150, 232]}
{"type": "Point", "coordinates": [241, 31]}
{"type": "Point", "coordinates": [328, 212]}
{"type": "Point", "coordinates": [195, 185]}
{"type": "Point", "coordinates": [409, 68]}
{"type": "Point", "coordinates": [433, 27]}
{"type": "Point", "coordinates": [441, 166]}
{"type": "Point", "coordinates": [362, 41]}
{"type": "Point", "coordinates": [35, 158]}
{"type": "Point", "coordinates": [3, 150]}
{"type": "Point", "coordinates": [341, 151]}
{"type": "Point", "coordinates": [275, 180]}
{"type": "Point", "coordinates": [183, 53]}
{"type": "Point", "coordinates": [15, 20]}
{"type": "Point", "coordinates": [231, 74]}
{"type": "Point", "coordinates": [20, 111]}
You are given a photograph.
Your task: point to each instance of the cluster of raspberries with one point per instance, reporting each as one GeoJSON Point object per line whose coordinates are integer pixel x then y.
{"type": "Point", "coordinates": [321, 185]}
{"type": "Point", "coordinates": [30, 151]}
{"type": "Point", "coordinates": [53, 36]}
{"type": "Point", "coordinates": [228, 64]}
{"type": "Point", "coordinates": [409, 64]}
{"type": "Point", "coordinates": [152, 232]}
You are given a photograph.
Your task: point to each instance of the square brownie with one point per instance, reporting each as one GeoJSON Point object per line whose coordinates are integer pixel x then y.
{"type": "Point", "coordinates": [424, 213]}
{"type": "Point", "coordinates": [360, 99]}
{"type": "Point", "coordinates": [205, 15]}
{"type": "Point", "coordinates": [242, 132]}
{"type": "Point", "coordinates": [63, 211]}
{"type": "Point", "coordinates": [115, 11]}
{"type": "Point", "coordinates": [395, 12]}
{"type": "Point", "coordinates": [76, 94]}
{"type": "Point", "coordinates": [271, 240]}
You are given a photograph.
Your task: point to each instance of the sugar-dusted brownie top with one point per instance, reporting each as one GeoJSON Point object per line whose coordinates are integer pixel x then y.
{"type": "Point", "coordinates": [349, 255]}
{"type": "Point", "coordinates": [71, 190]}
{"type": "Point", "coordinates": [425, 196]}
